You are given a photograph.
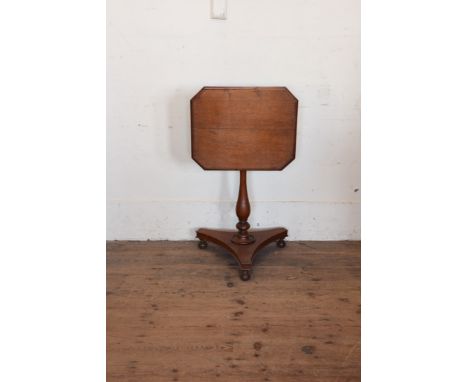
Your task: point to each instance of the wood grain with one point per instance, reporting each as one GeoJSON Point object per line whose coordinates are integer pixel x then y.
{"type": "Point", "coordinates": [243, 128]}
{"type": "Point", "coordinates": [177, 313]}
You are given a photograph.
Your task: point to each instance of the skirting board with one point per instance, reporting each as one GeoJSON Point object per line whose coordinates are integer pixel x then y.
{"type": "Point", "coordinates": [178, 220]}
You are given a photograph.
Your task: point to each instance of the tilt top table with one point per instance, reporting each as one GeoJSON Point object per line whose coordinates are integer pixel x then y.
{"type": "Point", "coordinates": [243, 128]}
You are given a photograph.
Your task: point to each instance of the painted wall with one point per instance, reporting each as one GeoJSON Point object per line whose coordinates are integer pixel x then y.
{"type": "Point", "coordinates": [161, 52]}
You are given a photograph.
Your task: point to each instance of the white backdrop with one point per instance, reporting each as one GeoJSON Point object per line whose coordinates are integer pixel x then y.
{"type": "Point", "coordinates": [161, 52]}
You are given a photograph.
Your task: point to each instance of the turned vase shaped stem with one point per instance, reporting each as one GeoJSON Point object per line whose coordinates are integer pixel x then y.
{"type": "Point", "coordinates": [243, 212]}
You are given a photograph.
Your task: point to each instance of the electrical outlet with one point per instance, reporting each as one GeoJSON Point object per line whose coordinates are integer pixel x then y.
{"type": "Point", "coordinates": [219, 9]}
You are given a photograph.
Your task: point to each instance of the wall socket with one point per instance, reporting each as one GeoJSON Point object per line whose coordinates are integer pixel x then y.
{"type": "Point", "coordinates": [219, 9]}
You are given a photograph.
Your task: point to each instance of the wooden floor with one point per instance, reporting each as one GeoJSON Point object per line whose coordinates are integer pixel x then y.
{"type": "Point", "coordinates": [178, 313]}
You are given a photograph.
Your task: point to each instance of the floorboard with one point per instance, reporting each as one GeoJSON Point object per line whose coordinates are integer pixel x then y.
{"type": "Point", "coordinates": [178, 313]}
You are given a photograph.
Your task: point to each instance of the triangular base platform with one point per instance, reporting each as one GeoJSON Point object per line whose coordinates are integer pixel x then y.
{"type": "Point", "coordinates": [243, 253]}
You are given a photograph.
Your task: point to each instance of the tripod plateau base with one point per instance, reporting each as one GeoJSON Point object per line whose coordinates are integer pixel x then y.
{"type": "Point", "coordinates": [243, 253]}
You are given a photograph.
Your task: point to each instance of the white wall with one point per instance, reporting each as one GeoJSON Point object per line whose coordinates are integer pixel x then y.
{"type": "Point", "coordinates": [161, 52]}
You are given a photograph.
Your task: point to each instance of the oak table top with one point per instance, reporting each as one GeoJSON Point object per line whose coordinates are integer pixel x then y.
{"type": "Point", "coordinates": [243, 128]}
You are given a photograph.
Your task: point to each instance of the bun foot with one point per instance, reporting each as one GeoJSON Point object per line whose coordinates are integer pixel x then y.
{"type": "Point", "coordinates": [244, 274]}
{"type": "Point", "coordinates": [202, 244]}
{"type": "Point", "coordinates": [281, 243]}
